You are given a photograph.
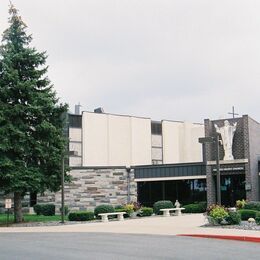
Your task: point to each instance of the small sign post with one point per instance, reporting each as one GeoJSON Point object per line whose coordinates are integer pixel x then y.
{"type": "Point", "coordinates": [8, 206]}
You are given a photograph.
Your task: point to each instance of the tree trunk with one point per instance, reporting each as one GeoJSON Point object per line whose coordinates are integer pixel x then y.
{"type": "Point", "coordinates": [18, 214]}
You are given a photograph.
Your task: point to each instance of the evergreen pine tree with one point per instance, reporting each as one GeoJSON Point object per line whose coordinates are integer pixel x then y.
{"type": "Point", "coordinates": [32, 143]}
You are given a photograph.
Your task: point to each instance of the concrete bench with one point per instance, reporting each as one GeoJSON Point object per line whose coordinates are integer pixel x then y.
{"type": "Point", "coordinates": [104, 216]}
{"type": "Point", "coordinates": [166, 212]}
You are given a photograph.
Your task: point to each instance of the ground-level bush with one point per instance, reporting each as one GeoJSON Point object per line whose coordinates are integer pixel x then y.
{"type": "Point", "coordinates": [252, 205]}
{"type": "Point", "coordinates": [218, 213]}
{"type": "Point", "coordinates": [257, 220]}
{"type": "Point", "coordinates": [240, 204]}
{"type": "Point", "coordinates": [233, 218]}
{"type": "Point", "coordinates": [162, 204]}
{"type": "Point", "coordinates": [81, 216]}
{"type": "Point", "coordinates": [104, 208]}
{"type": "Point", "coordinates": [247, 213]}
{"type": "Point", "coordinates": [44, 209]}
{"type": "Point", "coordinates": [145, 212]}
{"type": "Point", "coordinates": [195, 207]}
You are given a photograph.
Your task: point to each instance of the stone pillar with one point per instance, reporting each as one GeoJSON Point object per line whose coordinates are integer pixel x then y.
{"type": "Point", "coordinates": [211, 190]}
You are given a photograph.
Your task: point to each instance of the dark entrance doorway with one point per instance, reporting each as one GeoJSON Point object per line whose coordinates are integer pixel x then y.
{"type": "Point", "coordinates": [232, 189]}
{"type": "Point", "coordinates": [186, 191]}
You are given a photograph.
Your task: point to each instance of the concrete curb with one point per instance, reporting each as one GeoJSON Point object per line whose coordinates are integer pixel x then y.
{"type": "Point", "coordinates": [237, 238]}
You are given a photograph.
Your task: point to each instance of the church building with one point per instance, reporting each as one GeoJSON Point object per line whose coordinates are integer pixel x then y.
{"type": "Point", "coordinates": [145, 160]}
{"type": "Point", "coordinates": [115, 159]}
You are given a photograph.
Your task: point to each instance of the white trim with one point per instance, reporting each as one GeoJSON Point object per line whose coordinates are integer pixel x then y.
{"type": "Point", "coordinates": [172, 178]}
{"type": "Point", "coordinates": [228, 161]}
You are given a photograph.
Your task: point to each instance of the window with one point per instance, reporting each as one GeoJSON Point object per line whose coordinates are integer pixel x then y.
{"type": "Point", "coordinates": [156, 128]}
{"type": "Point", "coordinates": [75, 121]}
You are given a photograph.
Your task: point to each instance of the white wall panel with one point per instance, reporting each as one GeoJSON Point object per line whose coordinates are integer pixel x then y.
{"type": "Point", "coordinates": [119, 140]}
{"type": "Point", "coordinates": [171, 142]}
{"type": "Point", "coordinates": [180, 142]}
{"type": "Point", "coordinates": [111, 140]}
{"type": "Point", "coordinates": [141, 141]}
{"type": "Point", "coordinates": [157, 140]}
{"type": "Point", "coordinates": [95, 139]}
{"type": "Point", "coordinates": [75, 134]}
{"type": "Point", "coordinates": [76, 147]}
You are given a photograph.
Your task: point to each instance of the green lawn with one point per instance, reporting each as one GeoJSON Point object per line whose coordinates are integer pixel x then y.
{"type": "Point", "coordinates": [31, 218]}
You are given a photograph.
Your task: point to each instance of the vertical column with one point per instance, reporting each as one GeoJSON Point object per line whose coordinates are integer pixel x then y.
{"type": "Point", "coordinates": [211, 191]}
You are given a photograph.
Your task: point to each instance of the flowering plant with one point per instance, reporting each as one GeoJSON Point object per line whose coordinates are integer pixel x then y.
{"type": "Point", "coordinates": [240, 204]}
{"type": "Point", "coordinates": [216, 214]}
{"type": "Point", "coordinates": [129, 208]}
{"type": "Point", "coordinates": [132, 207]}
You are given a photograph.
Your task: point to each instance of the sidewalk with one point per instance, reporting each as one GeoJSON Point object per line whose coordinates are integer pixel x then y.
{"type": "Point", "coordinates": [186, 224]}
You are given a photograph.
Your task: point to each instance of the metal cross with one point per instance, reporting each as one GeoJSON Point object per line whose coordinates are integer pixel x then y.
{"type": "Point", "coordinates": [233, 112]}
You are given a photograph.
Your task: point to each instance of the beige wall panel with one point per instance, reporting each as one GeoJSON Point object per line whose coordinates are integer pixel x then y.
{"type": "Point", "coordinates": [196, 148]}
{"type": "Point", "coordinates": [76, 147]}
{"type": "Point", "coordinates": [141, 141]}
{"type": "Point", "coordinates": [171, 140]}
{"type": "Point", "coordinates": [95, 139]}
{"type": "Point", "coordinates": [74, 161]}
{"type": "Point", "coordinates": [75, 134]}
{"type": "Point", "coordinates": [157, 140]}
{"type": "Point", "coordinates": [180, 141]}
{"type": "Point", "coordinates": [119, 140]}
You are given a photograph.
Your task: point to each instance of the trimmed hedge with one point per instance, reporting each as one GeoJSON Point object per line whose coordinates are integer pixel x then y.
{"type": "Point", "coordinates": [162, 204]}
{"type": "Point", "coordinates": [252, 205]}
{"type": "Point", "coordinates": [145, 212]}
{"type": "Point", "coordinates": [104, 208]}
{"type": "Point", "coordinates": [44, 209]}
{"type": "Point", "coordinates": [247, 213]}
{"type": "Point", "coordinates": [195, 207]}
{"type": "Point", "coordinates": [81, 216]}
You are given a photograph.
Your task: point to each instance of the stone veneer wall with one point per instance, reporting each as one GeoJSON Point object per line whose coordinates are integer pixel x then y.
{"type": "Point", "coordinates": [92, 187]}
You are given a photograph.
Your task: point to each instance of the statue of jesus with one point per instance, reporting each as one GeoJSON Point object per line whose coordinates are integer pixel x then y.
{"type": "Point", "coordinates": [227, 133]}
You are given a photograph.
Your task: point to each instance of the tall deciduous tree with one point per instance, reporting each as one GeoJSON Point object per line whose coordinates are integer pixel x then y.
{"type": "Point", "coordinates": [31, 122]}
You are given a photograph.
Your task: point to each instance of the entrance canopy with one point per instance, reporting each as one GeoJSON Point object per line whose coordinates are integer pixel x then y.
{"type": "Point", "coordinates": [170, 172]}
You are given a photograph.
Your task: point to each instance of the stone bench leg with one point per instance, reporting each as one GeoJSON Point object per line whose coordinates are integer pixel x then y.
{"type": "Point", "coordinates": [104, 218]}
{"type": "Point", "coordinates": [120, 217]}
{"type": "Point", "coordinates": [178, 212]}
{"type": "Point", "coordinates": [166, 213]}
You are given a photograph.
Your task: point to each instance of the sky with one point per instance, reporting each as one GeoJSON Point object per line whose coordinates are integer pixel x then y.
{"type": "Point", "coordinates": [165, 59]}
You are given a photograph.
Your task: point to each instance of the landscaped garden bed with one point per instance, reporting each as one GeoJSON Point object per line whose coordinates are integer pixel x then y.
{"type": "Point", "coordinates": [245, 216]}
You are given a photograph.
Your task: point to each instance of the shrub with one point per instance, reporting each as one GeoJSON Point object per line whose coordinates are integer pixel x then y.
{"type": "Point", "coordinates": [240, 204]}
{"type": "Point", "coordinates": [104, 208]}
{"type": "Point", "coordinates": [257, 218]}
{"type": "Point", "coordinates": [66, 210]}
{"type": "Point", "coordinates": [252, 205]}
{"type": "Point", "coordinates": [81, 216]}
{"type": "Point", "coordinates": [247, 213]}
{"type": "Point", "coordinates": [129, 208]}
{"type": "Point", "coordinates": [218, 213]}
{"type": "Point", "coordinates": [233, 218]}
{"type": "Point", "coordinates": [195, 208]}
{"type": "Point", "coordinates": [145, 212]}
{"type": "Point", "coordinates": [37, 209]}
{"type": "Point", "coordinates": [44, 209]}
{"type": "Point", "coordinates": [161, 204]}
{"type": "Point", "coordinates": [119, 207]}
